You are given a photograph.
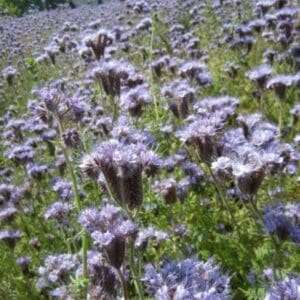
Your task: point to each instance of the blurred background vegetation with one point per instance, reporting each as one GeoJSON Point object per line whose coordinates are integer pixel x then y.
{"type": "Point", "coordinates": [19, 7]}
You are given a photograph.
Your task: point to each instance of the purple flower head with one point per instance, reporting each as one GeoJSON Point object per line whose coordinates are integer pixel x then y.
{"type": "Point", "coordinates": [10, 237]}
{"type": "Point", "coordinates": [109, 231]}
{"type": "Point", "coordinates": [158, 65]}
{"type": "Point", "coordinates": [196, 71]}
{"type": "Point", "coordinates": [24, 262]}
{"type": "Point", "coordinates": [36, 171]}
{"type": "Point", "coordinates": [9, 74]}
{"type": "Point", "coordinates": [133, 100]}
{"type": "Point", "coordinates": [56, 270]}
{"type": "Point", "coordinates": [283, 220]}
{"type": "Point", "coordinates": [203, 134]}
{"type": "Point", "coordinates": [280, 83]}
{"type": "Point", "coordinates": [248, 174]}
{"type": "Point", "coordinates": [126, 133]}
{"type": "Point", "coordinates": [63, 189]}
{"type": "Point", "coordinates": [169, 189]}
{"type": "Point", "coordinates": [222, 168]}
{"type": "Point", "coordinates": [99, 42]}
{"type": "Point", "coordinates": [122, 166]}
{"type": "Point", "coordinates": [222, 107]}
{"type": "Point", "coordinates": [113, 75]}
{"type": "Point", "coordinates": [71, 138]}
{"type": "Point", "coordinates": [181, 95]}
{"type": "Point", "coordinates": [21, 154]}
{"type": "Point", "coordinates": [103, 280]}
{"type": "Point", "coordinates": [149, 234]}
{"type": "Point", "coordinates": [58, 211]}
{"type": "Point", "coordinates": [288, 288]}
{"type": "Point", "coordinates": [187, 279]}
{"type": "Point", "coordinates": [260, 74]}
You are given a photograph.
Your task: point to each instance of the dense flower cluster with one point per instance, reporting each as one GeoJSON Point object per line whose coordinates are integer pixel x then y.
{"type": "Point", "coordinates": [187, 279]}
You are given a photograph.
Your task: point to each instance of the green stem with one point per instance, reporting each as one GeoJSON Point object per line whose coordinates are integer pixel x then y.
{"type": "Point", "coordinates": [84, 240]}
{"type": "Point", "coordinates": [123, 283]}
{"type": "Point", "coordinates": [136, 279]}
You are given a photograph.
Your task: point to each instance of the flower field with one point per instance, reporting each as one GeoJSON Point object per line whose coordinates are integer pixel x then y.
{"type": "Point", "coordinates": [150, 150]}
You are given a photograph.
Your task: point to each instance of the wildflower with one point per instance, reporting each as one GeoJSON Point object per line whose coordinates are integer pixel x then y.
{"type": "Point", "coordinates": [99, 42]}
{"type": "Point", "coordinates": [130, 173]}
{"type": "Point", "coordinates": [24, 262]}
{"type": "Point", "coordinates": [102, 277]}
{"type": "Point", "coordinates": [7, 213]}
{"type": "Point", "coordinates": [145, 235]}
{"type": "Point", "coordinates": [122, 166]}
{"type": "Point", "coordinates": [21, 154]}
{"type": "Point", "coordinates": [279, 84]}
{"type": "Point", "coordinates": [283, 220]}
{"type": "Point", "coordinates": [260, 74]}
{"type": "Point", "coordinates": [222, 168]}
{"type": "Point", "coordinates": [203, 133]}
{"type": "Point", "coordinates": [71, 138]}
{"type": "Point", "coordinates": [158, 65]}
{"type": "Point", "coordinates": [58, 211]}
{"type": "Point", "coordinates": [197, 71]}
{"type": "Point", "coordinates": [63, 189]}
{"type": "Point", "coordinates": [222, 107]}
{"type": "Point", "coordinates": [248, 175]}
{"type": "Point", "coordinates": [52, 51]}
{"type": "Point", "coordinates": [181, 95]}
{"type": "Point", "coordinates": [36, 171]}
{"type": "Point", "coordinates": [9, 74]}
{"type": "Point", "coordinates": [135, 99]}
{"type": "Point", "coordinates": [288, 288]}
{"type": "Point", "coordinates": [56, 270]}
{"type": "Point", "coordinates": [10, 237]}
{"type": "Point", "coordinates": [187, 279]}
{"type": "Point", "coordinates": [109, 231]}
{"type": "Point", "coordinates": [168, 189]}
{"type": "Point", "coordinates": [111, 74]}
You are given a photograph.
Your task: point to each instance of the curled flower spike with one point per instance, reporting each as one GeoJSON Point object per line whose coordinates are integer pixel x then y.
{"type": "Point", "coordinates": [109, 230]}
{"type": "Point", "coordinates": [135, 99]}
{"type": "Point", "coordinates": [248, 176]}
{"type": "Point", "coordinates": [122, 166]}
{"type": "Point", "coordinates": [114, 74]}
{"type": "Point", "coordinates": [203, 134]}
{"type": "Point", "coordinates": [71, 138]}
{"type": "Point", "coordinates": [197, 71]}
{"type": "Point", "coordinates": [181, 95]}
{"type": "Point", "coordinates": [99, 42]}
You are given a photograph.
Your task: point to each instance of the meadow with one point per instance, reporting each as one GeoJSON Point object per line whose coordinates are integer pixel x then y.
{"type": "Point", "coordinates": [150, 150]}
